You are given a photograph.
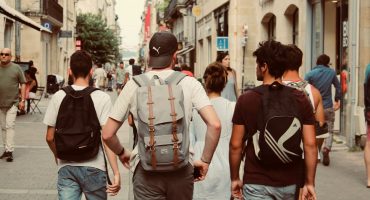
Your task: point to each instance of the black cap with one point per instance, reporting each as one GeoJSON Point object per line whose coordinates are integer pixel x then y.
{"type": "Point", "coordinates": [162, 46]}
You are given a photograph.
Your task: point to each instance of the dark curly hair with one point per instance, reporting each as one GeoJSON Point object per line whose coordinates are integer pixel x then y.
{"type": "Point", "coordinates": [215, 77]}
{"type": "Point", "coordinates": [273, 54]}
{"type": "Point", "coordinates": [294, 57]}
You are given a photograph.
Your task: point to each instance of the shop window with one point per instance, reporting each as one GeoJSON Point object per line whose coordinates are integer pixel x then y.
{"type": "Point", "coordinates": [272, 28]}
{"type": "Point", "coordinates": [8, 33]}
{"type": "Point", "coordinates": [292, 13]}
{"type": "Point", "coordinates": [269, 25]}
{"type": "Point", "coordinates": [222, 18]}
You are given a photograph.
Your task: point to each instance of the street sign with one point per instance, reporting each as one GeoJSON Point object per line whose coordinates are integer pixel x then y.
{"type": "Point", "coordinates": [222, 43]}
{"type": "Point", "coordinates": [65, 34]}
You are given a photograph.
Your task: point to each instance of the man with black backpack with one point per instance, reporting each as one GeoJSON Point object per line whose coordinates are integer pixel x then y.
{"type": "Point", "coordinates": [161, 102]}
{"type": "Point", "coordinates": [74, 118]}
{"type": "Point", "coordinates": [278, 123]}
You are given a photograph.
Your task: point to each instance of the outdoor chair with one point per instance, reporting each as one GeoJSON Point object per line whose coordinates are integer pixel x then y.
{"type": "Point", "coordinates": [34, 102]}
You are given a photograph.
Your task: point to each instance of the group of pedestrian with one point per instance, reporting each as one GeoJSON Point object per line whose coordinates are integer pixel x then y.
{"type": "Point", "coordinates": [179, 135]}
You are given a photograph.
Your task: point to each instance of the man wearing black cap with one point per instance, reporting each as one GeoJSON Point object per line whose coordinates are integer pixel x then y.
{"type": "Point", "coordinates": [173, 184]}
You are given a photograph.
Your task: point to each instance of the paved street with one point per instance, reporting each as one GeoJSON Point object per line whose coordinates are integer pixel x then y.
{"type": "Point", "coordinates": [32, 175]}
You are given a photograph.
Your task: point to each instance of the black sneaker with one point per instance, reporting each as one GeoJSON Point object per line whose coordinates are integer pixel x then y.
{"type": "Point", "coordinates": [325, 155]}
{"type": "Point", "coordinates": [5, 155]}
{"type": "Point", "coordinates": [10, 157]}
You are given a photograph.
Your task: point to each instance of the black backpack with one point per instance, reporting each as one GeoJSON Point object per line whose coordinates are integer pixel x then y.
{"type": "Point", "coordinates": [278, 138]}
{"type": "Point", "coordinates": [77, 134]}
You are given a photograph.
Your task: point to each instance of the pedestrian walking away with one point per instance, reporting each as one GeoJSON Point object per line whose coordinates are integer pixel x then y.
{"type": "Point", "coordinates": [11, 80]}
{"type": "Point", "coordinates": [214, 186]}
{"type": "Point", "coordinates": [74, 118]}
{"type": "Point", "coordinates": [120, 77]}
{"type": "Point", "coordinates": [278, 123]}
{"type": "Point", "coordinates": [291, 78]}
{"type": "Point", "coordinates": [322, 77]}
{"type": "Point", "coordinates": [367, 119]}
{"type": "Point", "coordinates": [161, 102]}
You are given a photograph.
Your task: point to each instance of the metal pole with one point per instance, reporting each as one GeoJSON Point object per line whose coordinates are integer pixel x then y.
{"type": "Point", "coordinates": [353, 25]}
{"type": "Point", "coordinates": [17, 34]}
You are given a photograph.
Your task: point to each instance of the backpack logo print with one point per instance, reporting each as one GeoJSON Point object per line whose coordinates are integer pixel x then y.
{"type": "Point", "coordinates": [278, 146]}
{"type": "Point", "coordinates": [157, 50]}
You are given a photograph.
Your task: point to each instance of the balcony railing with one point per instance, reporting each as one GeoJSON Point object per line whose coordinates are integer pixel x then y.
{"type": "Point", "coordinates": [173, 6]}
{"type": "Point", "coordinates": [53, 9]}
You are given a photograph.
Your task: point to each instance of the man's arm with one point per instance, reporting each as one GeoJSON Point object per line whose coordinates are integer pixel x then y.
{"type": "Point", "coordinates": [235, 157]}
{"type": "Point", "coordinates": [111, 140]}
{"type": "Point", "coordinates": [23, 96]}
{"type": "Point", "coordinates": [310, 159]}
{"type": "Point", "coordinates": [50, 140]}
{"type": "Point", "coordinates": [112, 158]}
{"type": "Point", "coordinates": [213, 123]}
{"type": "Point", "coordinates": [319, 107]}
{"type": "Point", "coordinates": [338, 92]}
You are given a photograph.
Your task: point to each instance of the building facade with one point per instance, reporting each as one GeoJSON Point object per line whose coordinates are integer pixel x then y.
{"type": "Point", "coordinates": [315, 26]}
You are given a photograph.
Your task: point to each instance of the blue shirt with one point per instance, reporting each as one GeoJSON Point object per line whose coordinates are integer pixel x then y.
{"type": "Point", "coordinates": [322, 77]}
{"type": "Point", "coordinates": [367, 72]}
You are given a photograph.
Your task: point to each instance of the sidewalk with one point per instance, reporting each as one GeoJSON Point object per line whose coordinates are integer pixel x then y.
{"type": "Point", "coordinates": [33, 174]}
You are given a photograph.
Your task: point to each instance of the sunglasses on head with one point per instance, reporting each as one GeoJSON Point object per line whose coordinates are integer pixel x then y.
{"type": "Point", "coordinates": [4, 54]}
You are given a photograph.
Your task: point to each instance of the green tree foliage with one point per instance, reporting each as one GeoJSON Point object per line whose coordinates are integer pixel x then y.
{"type": "Point", "coordinates": [97, 39]}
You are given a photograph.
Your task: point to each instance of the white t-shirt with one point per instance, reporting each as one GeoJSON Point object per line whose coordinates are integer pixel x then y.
{"type": "Point", "coordinates": [129, 70]}
{"type": "Point", "coordinates": [194, 96]}
{"type": "Point", "coordinates": [102, 104]}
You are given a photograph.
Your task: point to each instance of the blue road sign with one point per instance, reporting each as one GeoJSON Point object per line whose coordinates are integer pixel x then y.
{"type": "Point", "coordinates": [222, 43]}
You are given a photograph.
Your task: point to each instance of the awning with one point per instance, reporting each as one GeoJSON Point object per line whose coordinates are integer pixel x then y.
{"type": "Point", "coordinates": [185, 51]}
{"type": "Point", "coordinates": [18, 16]}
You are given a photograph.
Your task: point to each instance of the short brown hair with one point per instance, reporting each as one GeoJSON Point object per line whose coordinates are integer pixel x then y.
{"type": "Point", "coordinates": [215, 77]}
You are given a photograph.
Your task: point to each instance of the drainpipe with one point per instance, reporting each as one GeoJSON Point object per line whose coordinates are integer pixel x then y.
{"type": "Point", "coordinates": [354, 5]}
{"type": "Point", "coordinates": [17, 34]}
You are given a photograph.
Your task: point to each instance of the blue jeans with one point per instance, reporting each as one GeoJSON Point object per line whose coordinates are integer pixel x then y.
{"type": "Point", "coordinates": [75, 180]}
{"type": "Point", "coordinates": [263, 192]}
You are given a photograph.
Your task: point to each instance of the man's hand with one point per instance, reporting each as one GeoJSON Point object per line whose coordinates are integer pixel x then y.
{"type": "Point", "coordinates": [113, 189]}
{"type": "Point", "coordinates": [21, 105]}
{"type": "Point", "coordinates": [125, 158]}
{"type": "Point", "coordinates": [336, 105]}
{"type": "Point", "coordinates": [236, 189]}
{"type": "Point", "coordinates": [308, 192]}
{"type": "Point", "coordinates": [203, 168]}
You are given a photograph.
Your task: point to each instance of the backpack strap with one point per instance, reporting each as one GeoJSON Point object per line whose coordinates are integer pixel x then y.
{"type": "Point", "coordinates": [175, 140]}
{"type": "Point", "coordinates": [141, 80]}
{"type": "Point", "coordinates": [151, 127]}
{"type": "Point", "coordinates": [78, 94]}
{"type": "Point", "coordinates": [175, 78]}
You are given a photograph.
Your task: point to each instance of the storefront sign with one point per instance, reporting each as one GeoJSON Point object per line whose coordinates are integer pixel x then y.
{"type": "Point", "coordinates": [345, 41]}
{"type": "Point", "coordinates": [222, 43]}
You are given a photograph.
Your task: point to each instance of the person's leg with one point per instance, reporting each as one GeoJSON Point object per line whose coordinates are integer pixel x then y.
{"type": "Point", "coordinates": [68, 186]}
{"type": "Point", "coordinates": [3, 130]}
{"type": "Point", "coordinates": [180, 184]}
{"type": "Point", "coordinates": [11, 114]}
{"type": "Point", "coordinates": [367, 154]}
{"type": "Point", "coordinates": [94, 182]}
{"type": "Point", "coordinates": [28, 105]}
{"type": "Point", "coordinates": [329, 117]}
{"type": "Point", "coordinates": [148, 185]}
{"type": "Point", "coordinates": [285, 193]}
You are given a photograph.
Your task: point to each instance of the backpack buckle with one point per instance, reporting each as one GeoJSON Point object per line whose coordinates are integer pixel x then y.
{"type": "Point", "coordinates": [151, 129]}
{"type": "Point", "coordinates": [175, 145]}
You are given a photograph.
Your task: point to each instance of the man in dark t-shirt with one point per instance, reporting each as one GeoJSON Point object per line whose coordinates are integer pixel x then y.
{"type": "Point", "coordinates": [270, 182]}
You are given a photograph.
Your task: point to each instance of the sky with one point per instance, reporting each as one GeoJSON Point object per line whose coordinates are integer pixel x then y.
{"type": "Point", "coordinates": [129, 13]}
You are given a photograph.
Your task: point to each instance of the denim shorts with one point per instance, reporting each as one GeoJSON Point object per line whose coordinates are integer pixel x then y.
{"type": "Point", "coordinates": [75, 180]}
{"type": "Point", "coordinates": [263, 192]}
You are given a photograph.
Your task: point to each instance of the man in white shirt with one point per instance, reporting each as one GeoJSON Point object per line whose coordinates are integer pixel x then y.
{"type": "Point", "coordinates": [174, 184]}
{"type": "Point", "coordinates": [88, 176]}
